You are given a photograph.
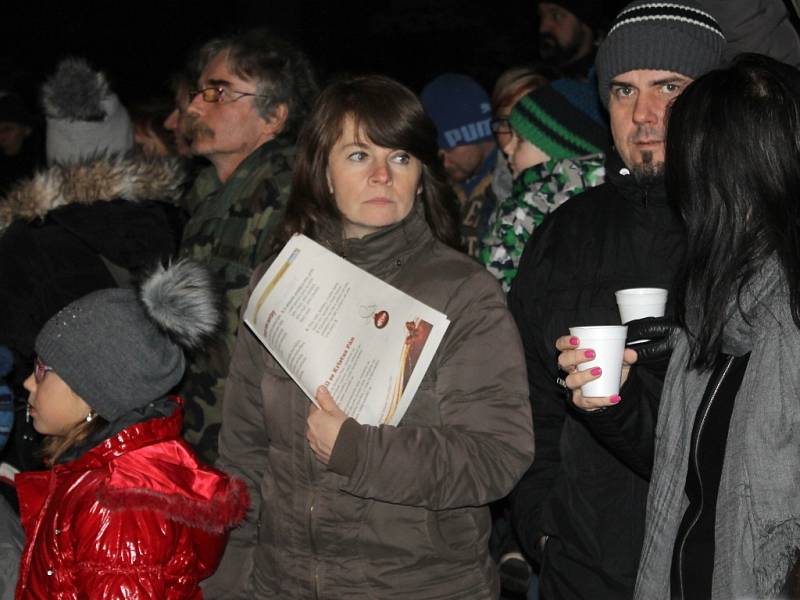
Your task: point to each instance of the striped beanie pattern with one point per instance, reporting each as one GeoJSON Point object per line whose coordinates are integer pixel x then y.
{"type": "Point", "coordinates": [563, 119]}
{"type": "Point", "coordinates": [663, 36]}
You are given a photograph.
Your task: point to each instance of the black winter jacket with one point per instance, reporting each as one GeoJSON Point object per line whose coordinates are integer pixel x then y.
{"type": "Point", "coordinates": [65, 229]}
{"type": "Point", "coordinates": [588, 500]}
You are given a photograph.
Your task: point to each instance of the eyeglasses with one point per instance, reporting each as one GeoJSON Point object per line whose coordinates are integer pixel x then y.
{"type": "Point", "coordinates": [500, 125]}
{"type": "Point", "coordinates": [219, 94]}
{"type": "Point", "coordinates": [40, 370]}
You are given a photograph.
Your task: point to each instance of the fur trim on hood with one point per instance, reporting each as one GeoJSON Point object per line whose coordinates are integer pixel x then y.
{"type": "Point", "coordinates": [133, 178]}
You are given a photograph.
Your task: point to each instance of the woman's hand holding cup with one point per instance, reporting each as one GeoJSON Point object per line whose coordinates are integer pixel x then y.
{"type": "Point", "coordinates": [575, 361]}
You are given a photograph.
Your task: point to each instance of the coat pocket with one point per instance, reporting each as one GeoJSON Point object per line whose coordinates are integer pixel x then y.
{"type": "Point", "coordinates": [456, 534]}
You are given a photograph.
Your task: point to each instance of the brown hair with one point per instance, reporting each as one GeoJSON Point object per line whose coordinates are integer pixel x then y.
{"type": "Point", "coordinates": [391, 116]}
{"type": "Point", "coordinates": [514, 83]}
{"type": "Point", "coordinates": [148, 119]}
{"type": "Point", "coordinates": [54, 446]}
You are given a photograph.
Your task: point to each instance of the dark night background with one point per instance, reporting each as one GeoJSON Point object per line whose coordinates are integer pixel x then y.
{"type": "Point", "coordinates": [139, 44]}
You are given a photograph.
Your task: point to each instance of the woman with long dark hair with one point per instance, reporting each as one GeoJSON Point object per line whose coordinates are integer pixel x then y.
{"type": "Point", "coordinates": [723, 518]}
{"type": "Point", "coordinates": [345, 510]}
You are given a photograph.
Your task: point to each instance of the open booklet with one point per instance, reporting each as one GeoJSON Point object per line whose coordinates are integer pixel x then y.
{"type": "Point", "coordinates": [328, 322]}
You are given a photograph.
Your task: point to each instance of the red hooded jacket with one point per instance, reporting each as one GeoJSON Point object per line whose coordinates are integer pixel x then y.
{"type": "Point", "coordinates": [135, 517]}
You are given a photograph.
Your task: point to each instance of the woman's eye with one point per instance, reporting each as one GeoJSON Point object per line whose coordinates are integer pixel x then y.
{"type": "Point", "coordinates": [357, 156]}
{"type": "Point", "coordinates": [402, 158]}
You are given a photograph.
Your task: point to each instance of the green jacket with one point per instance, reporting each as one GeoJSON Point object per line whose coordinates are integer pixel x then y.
{"type": "Point", "coordinates": [536, 192]}
{"type": "Point", "coordinates": [230, 230]}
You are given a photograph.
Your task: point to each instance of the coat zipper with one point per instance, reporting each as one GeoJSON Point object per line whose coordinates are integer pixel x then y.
{"type": "Point", "coordinates": [313, 545]}
{"type": "Point", "coordinates": [312, 505]}
{"type": "Point", "coordinates": [25, 566]}
{"type": "Point", "coordinates": [697, 469]}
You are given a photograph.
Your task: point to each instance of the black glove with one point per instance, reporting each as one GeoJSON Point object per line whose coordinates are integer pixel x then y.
{"type": "Point", "coordinates": [660, 334]}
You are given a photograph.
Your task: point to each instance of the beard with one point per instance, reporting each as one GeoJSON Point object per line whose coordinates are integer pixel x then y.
{"type": "Point", "coordinates": [551, 52]}
{"type": "Point", "coordinates": [649, 171]}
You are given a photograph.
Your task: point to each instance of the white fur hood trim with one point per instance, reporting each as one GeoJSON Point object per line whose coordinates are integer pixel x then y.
{"type": "Point", "coordinates": [107, 178]}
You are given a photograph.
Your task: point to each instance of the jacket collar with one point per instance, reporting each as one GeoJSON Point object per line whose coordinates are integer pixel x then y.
{"type": "Point", "coordinates": [622, 178]}
{"type": "Point", "coordinates": [258, 158]}
{"type": "Point", "coordinates": [131, 437]}
{"type": "Point", "coordinates": [380, 252]}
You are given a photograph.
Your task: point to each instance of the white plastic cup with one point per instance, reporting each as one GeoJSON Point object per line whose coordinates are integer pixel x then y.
{"type": "Point", "coordinates": [638, 303]}
{"type": "Point", "coordinates": [608, 343]}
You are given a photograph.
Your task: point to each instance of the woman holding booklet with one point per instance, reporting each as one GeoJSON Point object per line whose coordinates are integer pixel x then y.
{"type": "Point", "coordinates": [346, 510]}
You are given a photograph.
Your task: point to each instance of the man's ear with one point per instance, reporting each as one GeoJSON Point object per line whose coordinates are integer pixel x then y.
{"type": "Point", "coordinates": [275, 124]}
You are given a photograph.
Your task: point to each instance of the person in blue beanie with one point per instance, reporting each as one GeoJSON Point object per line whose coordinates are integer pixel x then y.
{"type": "Point", "coordinates": [462, 112]}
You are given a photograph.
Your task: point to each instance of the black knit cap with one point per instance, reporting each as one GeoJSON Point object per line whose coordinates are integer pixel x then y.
{"type": "Point", "coordinates": [663, 36]}
{"type": "Point", "coordinates": [588, 11]}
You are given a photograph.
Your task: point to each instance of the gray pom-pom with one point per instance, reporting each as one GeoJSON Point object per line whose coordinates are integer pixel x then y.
{"type": "Point", "coordinates": [181, 299]}
{"type": "Point", "coordinates": [75, 92]}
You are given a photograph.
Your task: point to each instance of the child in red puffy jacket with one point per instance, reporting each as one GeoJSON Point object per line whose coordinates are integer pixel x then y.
{"type": "Point", "coordinates": [126, 510]}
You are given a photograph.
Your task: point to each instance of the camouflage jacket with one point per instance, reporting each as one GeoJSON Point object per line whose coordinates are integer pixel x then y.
{"type": "Point", "coordinates": [537, 191]}
{"type": "Point", "coordinates": [230, 230]}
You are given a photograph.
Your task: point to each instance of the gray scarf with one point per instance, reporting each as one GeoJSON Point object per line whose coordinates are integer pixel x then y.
{"type": "Point", "coordinates": [758, 507]}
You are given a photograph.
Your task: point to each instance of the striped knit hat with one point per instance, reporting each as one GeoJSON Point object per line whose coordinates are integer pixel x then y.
{"type": "Point", "coordinates": [663, 36]}
{"type": "Point", "coordinates": [563, 119]}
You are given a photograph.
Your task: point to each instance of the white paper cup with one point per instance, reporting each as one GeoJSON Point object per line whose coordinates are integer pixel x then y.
{"type": "Point", "coordinates": [638, 303]}
{"type": "Point", "coordinates": [608, 343]}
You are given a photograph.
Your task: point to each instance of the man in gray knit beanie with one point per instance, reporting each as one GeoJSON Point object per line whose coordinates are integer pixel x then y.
{"type": "Point", "coordinates": [579, 512]}
{"type": "Point", "coordinates": [652, 52]}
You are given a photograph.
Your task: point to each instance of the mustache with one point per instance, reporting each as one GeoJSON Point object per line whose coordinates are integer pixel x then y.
{"type": "Point", "coordinates": [197, 128]}
{"type": "Point", "coordinates": [647, 134]}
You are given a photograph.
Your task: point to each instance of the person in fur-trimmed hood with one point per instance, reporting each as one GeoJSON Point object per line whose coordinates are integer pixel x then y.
{"type": "Point", "coordinates": [94, 219]}
{"type": "Point", "coordinates": [126, 509]}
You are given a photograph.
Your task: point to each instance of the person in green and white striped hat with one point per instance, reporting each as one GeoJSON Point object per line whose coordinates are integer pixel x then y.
{"type": "Point", "coordinates": [556, 150]}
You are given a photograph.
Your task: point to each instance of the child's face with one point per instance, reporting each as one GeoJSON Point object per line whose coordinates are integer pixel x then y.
{"type": "Point", "coordinates": [54, 407]}
{"type": "Point", "coordinates": [522, 154]}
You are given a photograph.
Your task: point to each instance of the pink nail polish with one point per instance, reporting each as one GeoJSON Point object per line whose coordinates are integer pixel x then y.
{"type": "Point", "coordinates": [596, 371]}
{"type": "Point", "coordinates": [614, 399]}
{"type": "Point", "coordinates": [589, 354]}
{"type": "Point", "coordinates": [573, 341]}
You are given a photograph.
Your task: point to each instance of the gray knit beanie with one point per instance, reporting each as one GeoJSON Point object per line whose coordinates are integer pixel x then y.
{"type": "Point", "coordinates": [661, 36]}
{"type": "Point", "coordinates": [120, 349]}
{"type": "Point", "coordinates": [85, 118]}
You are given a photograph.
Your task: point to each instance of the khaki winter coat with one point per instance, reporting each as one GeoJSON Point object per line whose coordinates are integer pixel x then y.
{"type": "Point", "coordinates": [400, 512]}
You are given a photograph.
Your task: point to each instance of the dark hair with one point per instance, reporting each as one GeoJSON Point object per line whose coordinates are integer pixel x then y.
{"type": "Point", "coordinates": [148, 118]}
{"type": "Point", "coordinates": [282, 73]}
{"type": "Point", "coordinates": [733, 168]}
{"type": "Point", "coordinates": [390, 115]}
{"type": "Point", "coordinates": [184, 81]}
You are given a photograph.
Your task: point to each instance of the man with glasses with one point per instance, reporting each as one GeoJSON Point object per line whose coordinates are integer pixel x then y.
{"type": "Point", "coordinates": [253, 91]}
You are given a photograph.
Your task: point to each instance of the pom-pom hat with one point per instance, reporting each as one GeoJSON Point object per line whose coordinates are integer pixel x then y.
{"type": "Point", "coordinates": [85, 119]}
{"type": "Point", "coordinates": [120, 349]}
